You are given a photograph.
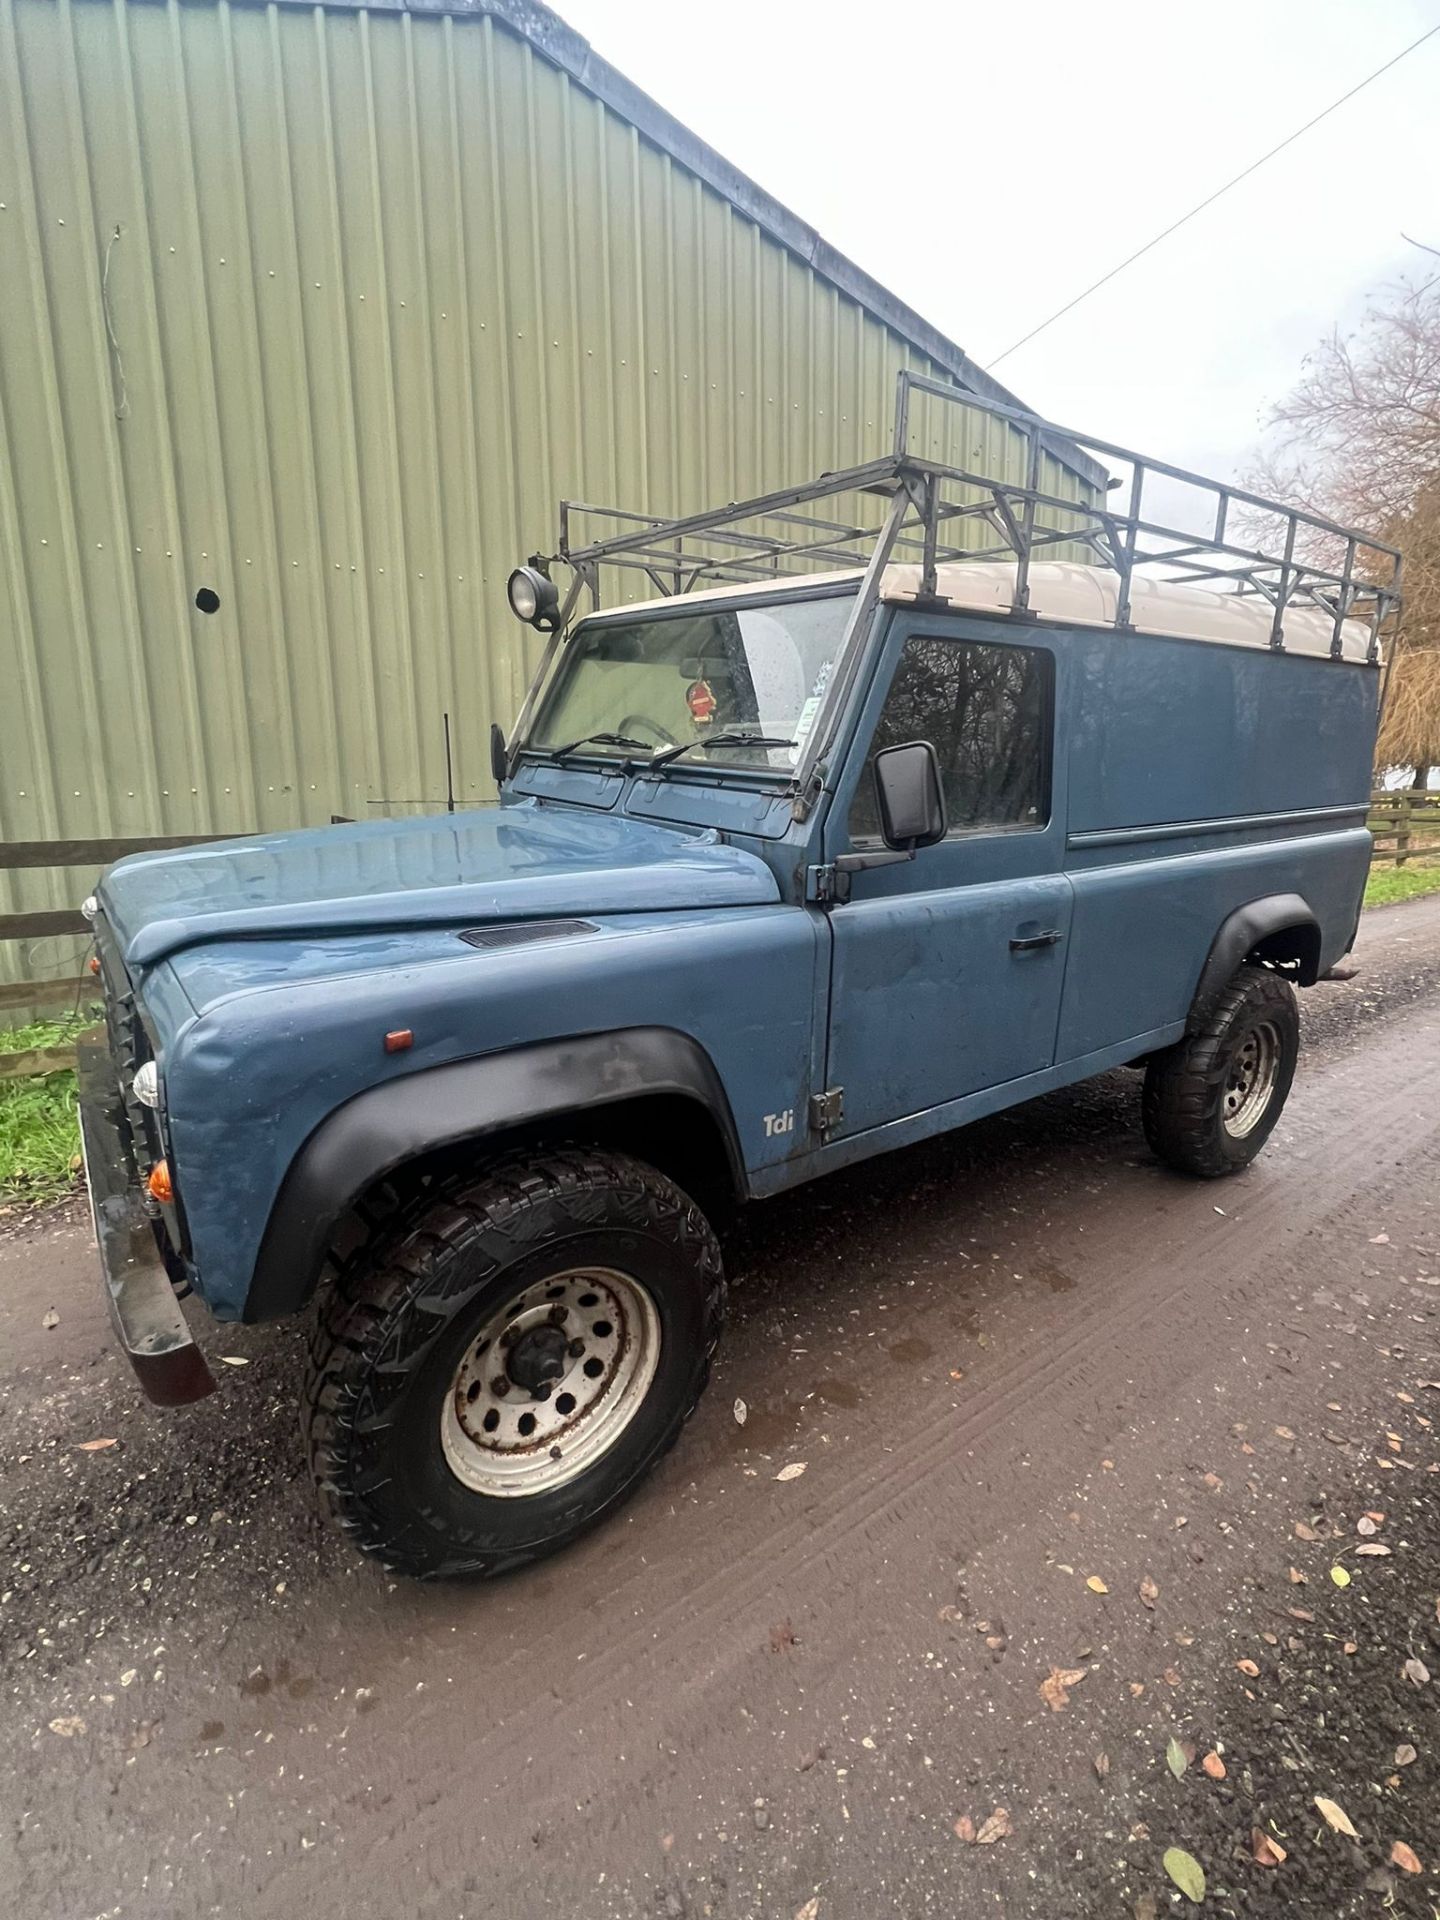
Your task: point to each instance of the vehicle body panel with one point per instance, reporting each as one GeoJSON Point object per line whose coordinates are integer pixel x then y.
{"type": "Point", "coordinates": [250, 1080]}
{"type": "Point", "coordinates": [496, 863]}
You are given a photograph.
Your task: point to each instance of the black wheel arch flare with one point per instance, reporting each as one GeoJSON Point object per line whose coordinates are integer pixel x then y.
{"type": "Point", "coordinates": [399, 1121]}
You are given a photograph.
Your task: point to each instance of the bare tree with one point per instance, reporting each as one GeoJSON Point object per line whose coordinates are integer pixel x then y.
{"type": "Point", "coordinates": [1358, 440]}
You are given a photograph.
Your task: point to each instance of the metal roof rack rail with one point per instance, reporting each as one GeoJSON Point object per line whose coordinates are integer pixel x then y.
{"type": "Point", "coordinates": [940, 512]}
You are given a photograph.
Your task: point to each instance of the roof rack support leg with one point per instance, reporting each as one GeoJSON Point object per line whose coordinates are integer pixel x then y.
{"type": "Point", "coordinates": [1342, 604]}
{"type": "Point", "coordinates": [1027, 519]}
{"type": "Point", "coordinates": [1282, 595]}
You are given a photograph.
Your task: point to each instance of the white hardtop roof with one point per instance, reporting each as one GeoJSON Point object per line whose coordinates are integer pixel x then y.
{"type": "Point", "coordinates": [1073, 595]}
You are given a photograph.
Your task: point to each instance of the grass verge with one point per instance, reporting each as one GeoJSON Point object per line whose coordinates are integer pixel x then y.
{"type": "Point", "coordinates": [1389, 884]}
{"type": "Point", "coordinates": [39, 1134]}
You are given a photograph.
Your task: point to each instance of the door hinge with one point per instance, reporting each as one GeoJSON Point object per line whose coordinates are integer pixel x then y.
{"type": "Point", "coordinates": [827, 886]}
{"type": "Point", "coordinates": [827, 1109]}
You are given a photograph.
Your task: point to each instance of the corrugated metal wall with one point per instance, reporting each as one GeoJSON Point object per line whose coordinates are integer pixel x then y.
{"type": "Point", "coordinates": [323, 309]}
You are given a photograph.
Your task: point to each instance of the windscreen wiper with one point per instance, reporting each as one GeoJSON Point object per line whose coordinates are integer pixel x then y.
{"type": "Point", "coordinates": [599, 740]}
{"type": "Point", "coordinates": [720, 740]}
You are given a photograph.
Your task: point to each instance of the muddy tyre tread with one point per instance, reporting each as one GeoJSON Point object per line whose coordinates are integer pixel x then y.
{"type": "Point", "coordinates": [1184, 1085]}
{"type": "Point", "coordinates": [387, 1301]}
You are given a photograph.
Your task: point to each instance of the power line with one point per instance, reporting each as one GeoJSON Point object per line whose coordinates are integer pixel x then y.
{"type": "Point", "coordinates": [1210, 199]}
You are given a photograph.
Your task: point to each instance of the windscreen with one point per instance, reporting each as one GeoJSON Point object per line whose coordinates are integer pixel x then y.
{"type": "Point", "coordinates": [685, 679]}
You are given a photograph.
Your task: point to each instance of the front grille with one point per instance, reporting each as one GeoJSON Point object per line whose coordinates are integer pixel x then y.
{"type": "Point", "coordinates": [521, 932]}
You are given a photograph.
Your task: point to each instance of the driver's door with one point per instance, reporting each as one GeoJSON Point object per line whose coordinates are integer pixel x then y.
{"type": "Point", "coordinates": [947, 968]}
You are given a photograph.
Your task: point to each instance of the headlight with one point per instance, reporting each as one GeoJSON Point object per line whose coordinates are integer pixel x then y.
{"type": "Point", "coordinates": [146, 1084]}
{"type": "Point", "coordinates": [533, 598]}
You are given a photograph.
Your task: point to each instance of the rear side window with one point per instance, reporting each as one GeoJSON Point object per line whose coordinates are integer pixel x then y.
{"type": "Point", "coordinates": [986, 711]}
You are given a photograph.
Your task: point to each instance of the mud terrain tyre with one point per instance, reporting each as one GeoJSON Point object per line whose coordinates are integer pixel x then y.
{"type": "Point", "coordinates": [1211, 1102]}
{"type": "Point", "coordinates": [502, 1365]}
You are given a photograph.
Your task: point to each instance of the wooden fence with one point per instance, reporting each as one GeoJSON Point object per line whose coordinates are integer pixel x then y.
{"type": "Point", "coordinates": [1405, 826]}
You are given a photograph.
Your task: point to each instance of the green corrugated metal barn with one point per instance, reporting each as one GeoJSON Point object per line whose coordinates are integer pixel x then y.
{"type": "Point", "coordinates": [314, 312]}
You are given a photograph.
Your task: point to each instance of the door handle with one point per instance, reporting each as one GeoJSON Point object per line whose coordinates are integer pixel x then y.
{"type": "Point", "coordinates": [1030, 941]}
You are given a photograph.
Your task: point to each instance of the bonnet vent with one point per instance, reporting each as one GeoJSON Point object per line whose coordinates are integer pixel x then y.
{"type": "Point", "coordinates": [520, 933]}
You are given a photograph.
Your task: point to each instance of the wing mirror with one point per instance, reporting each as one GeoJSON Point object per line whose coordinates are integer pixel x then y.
{"type": "Point", "coordinates": [911, 797]}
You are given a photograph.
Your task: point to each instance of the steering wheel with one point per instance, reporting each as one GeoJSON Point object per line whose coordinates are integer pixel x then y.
{"type": "Point", "coordinates": [634, 720]}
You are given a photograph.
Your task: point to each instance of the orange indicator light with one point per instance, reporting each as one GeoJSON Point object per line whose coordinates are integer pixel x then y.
{"type": "Point", "coordinates": [160, 1184]}
{"type": "Point", "coordinates": [399, 1040]}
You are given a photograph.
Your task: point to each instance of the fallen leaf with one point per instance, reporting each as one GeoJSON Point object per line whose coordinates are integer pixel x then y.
{"type": "Point", "coordinates": [782, 1638]}
{"type": "Point", "coordinates": [995, 1828]}
{"type": "Point", "coordinates": [52, 1319]}
{"type": "Point", "coordinates": [1284, 1433]}
{"type": "Point", "coordinates": [95, 1446]}
{"type": "Point", "coordinates": [1297, 1579]}
{"type": "Point", "coordinates": [1405, 1754]}
{"type": "Point", "coordinates": [1249, 1666]}
{"type": "Point", "coordinates": [1055, 1687]}
{"type": "Point", "coordinates": [1171, 1676]}
{"type": "Point", "coordinates": [1214, 1766]}
{"type": "Point", "coordinates": [1137, 1687]}
{"type": "Point", "coordinates": [1245, 1447]}
{"type": "Point", "coordinates": [1379, 1239]}
{"type": "Point", "coordinates": [1335, 1816]}
{"type": "Point", "coordinates": [67, 1725]}
{"type": "Point", "coordinates": [1340, 1575]}
{"type": "Point", "coordinates": [1374, 1513]}
{"type": "Point", "coordinates": [1350, 1647]}
{"type": "Point", "coordinates": [810, 1910]}
{"type": "Point", "coordinates": [1300, 1613]}
{"type": "Point", "coordinates": [1175, 1757]}
{"type": "Point", "coordinates": [1406, 1399]}
{"type": "Point", "coordinates": [965, 1829]}
{"type": "Point", "coordinates": [1096, 1584]}
{"type": "Point", "coordinates": [234, 1360]}
{"type": "Point", "coordinates": [1214, 1482]}
{"type": "Point", "coordinates": [1264, 1851]}
{"type": "Point", "coordinates": [1404, 1857]}
{"type": "Point", "coordinates": [1303, 1532]}
{"type": "Point", "coordinates": [1416, 1672]}
{"type": "Point", "coordinates": [1187, 1873]}
{"type": "Point", "coordinates": [1147, 1907]}
{"type": "Point", "coordinates": [1375, 1549]}
{"type": "Point", "coordinates": [741, 1413]}
{"type": "Point", "coordinates": [1149, 1592]}
{"type": "Point", "coordinates": [1102, 1765]}
{"type": "Point", "coordinates": [1365, 1525]}
{"type": "Point", "coordinates": [792, 1472]}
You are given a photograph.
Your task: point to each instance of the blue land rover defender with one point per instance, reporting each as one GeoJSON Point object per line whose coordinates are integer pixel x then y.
{"type": "Point", "coordinates": [911, 793]}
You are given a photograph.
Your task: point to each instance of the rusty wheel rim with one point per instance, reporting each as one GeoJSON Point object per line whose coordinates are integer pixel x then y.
{"type": "Point", "coordinates": [550, 1382]}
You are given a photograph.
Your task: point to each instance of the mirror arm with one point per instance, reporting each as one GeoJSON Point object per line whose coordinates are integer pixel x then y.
{"type": "Point", "coordinates": [847, 863]}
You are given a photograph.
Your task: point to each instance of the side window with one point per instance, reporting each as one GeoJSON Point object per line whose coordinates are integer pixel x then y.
{"type": "Point", "coordinates": [986, 711]}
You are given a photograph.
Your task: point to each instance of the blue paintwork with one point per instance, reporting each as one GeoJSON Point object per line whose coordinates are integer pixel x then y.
{"type": "Point", "coordinates": [1187, 779]}
{"type": "Point", "coordinates": [502, 863]}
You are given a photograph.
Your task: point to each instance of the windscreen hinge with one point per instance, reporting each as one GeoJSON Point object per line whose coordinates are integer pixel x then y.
{"type": "Point", "coordinates": [827, 1110]}
{"type": "Point", "coordinates": [826, 886]}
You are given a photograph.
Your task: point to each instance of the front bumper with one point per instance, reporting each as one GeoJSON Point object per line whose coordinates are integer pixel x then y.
{"type": "Point", "coordinates": [143, 1307]}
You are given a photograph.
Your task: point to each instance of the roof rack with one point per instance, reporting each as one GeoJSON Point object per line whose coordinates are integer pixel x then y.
{"type": "Point", "coordinates": [941, 512]}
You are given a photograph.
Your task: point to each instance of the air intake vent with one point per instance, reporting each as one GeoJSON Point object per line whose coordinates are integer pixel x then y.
{"type": "Point", "coordinates": [520, 933]}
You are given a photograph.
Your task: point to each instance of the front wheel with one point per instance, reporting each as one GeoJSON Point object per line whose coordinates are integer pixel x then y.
{"type": "Point", "coordinates": [503, 1368]}
{"type": "Point", "coordinates": [1211, 1102]}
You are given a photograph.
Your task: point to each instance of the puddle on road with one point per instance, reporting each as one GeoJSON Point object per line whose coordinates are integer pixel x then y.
{"type": "Point", "coordinates": [910, 1352]}
{"type": "Point", "coordinates": [257, 1684]}
{"type": "Point", "coordinates": [838, 1393]}
{"type": "Point", "coordinates": [1054, 1277]}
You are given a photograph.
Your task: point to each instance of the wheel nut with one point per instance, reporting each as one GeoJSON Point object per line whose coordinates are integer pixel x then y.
{"type": "Point", "coordinates": [500, 1385]}
{"type": "Point", "coordinates": [575, 1349]}
{"type": "Point", "coordinates": [558, 1316]}
{"type": "Point", "coordinates": [542, 1392]}
{"type": "Point", "coordinates": [508, 1337]}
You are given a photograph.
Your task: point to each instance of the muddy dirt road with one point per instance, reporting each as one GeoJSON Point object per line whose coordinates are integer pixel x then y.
{"type": "Point", "coordinates": [1011, 1362]}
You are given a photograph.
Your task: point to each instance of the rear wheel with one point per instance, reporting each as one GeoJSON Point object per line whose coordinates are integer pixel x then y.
{"type": "Point", "coordinates": [1211, 1102]}
{"type": "Point", "coordinates": [502, 1367]}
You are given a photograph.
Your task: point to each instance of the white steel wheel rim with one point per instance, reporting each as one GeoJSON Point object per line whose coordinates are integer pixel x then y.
{"type": "Point", "coordinates": [1250, 1081]}
{"type": "Point", "coordinates": [512, 1437]}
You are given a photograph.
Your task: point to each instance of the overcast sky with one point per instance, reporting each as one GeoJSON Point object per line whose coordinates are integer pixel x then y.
{"type": "Point", "coordinates": [987, 162]}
